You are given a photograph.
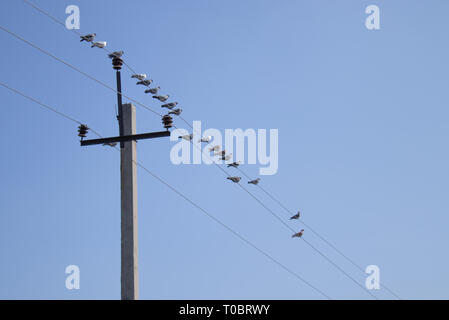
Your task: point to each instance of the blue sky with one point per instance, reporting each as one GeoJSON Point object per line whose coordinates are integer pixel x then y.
{"type": "Point", "coordinates": [362, 119]}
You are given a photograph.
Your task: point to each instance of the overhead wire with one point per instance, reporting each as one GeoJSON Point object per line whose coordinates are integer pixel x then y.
{"type": "Point", "coordinates": [182, 118]}
{"type": "Point", "coordinates": [179, 193]}
{"type": "Point", "coordinates": [140, 104]}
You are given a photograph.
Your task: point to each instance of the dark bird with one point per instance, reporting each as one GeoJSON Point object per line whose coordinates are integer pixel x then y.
{"type": "Point", "coordinates": [152, 90]}
{"type": "Point", "coordinates": [176, 112]}
{"type": "Point", "coordinates": [255, 181]}
{"type": "Point", "coordinates": [88, 37]}
{"type": "Point", "coordinates": [299, 234]}
{"type": "Point", "coordinates": [145, 82]}
{"type": "Point", "coordinates": [296, 216]}
{"type": "Point", "coordinates": [161, 98]}
{"type": "Point", "coordinates": [170, 105]}
{"type": "Point", "coordinates": [234, 164]}
{"type": "Point", "coordinates": [234, 179]}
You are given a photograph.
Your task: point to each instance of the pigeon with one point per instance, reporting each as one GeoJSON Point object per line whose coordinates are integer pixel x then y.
{"type": "Point", "coordinates": [299, 234]}
{"type": "Point", "coordinates": [187, 137]}
{"type": "Point", "coordinates": [145, 82]}
{"type": "Point", "coordinates": [176, 112]}
{"type": "Point", "coordinates": [255, 181]}
{"type": "Point", "coordinates": [234, 179]}
{"type": "Point", "coordinates": [153, 90]}
{"type": "Point", "coordinates": [161, 98]}
{"type": "Point", "coordinates": [205, 139]}
{"type": "Point", "coordinates": [98, 44]}
{"type": "Point", "coordinates": [170, 105]}
{"type": "Point", "coordinates": [228, 157]}
{"type": "Point", "coordinates": [296, 216]}
{"type": "Point", "coordinates": [110, 144]}
{"type": "Point", "coordinates": [220, 153]}
{"type": "Point", "coordinates": [88, 37]}
{"type": "Point", "coordinates": [140, 76]}
{"type": "Point", "coordinates": [214, 148]}
{"type": "Point", "coordinates": [116, 54]}
{"type": "Point", "coordinates": [234, 164]}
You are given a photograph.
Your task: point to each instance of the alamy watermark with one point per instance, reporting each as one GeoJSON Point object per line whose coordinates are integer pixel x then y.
{"type": "Point", "coordinates": [211, 146]}
{"type": "Point", "coordinates": [373, 280]}
{"type": "Point", "coordinates": [73, 279]}
{"type": "Point", "coordinates": [73, 20]}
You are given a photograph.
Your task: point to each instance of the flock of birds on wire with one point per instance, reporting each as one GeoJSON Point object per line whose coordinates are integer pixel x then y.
{"type": "Point", "coordinates": [142, 80]}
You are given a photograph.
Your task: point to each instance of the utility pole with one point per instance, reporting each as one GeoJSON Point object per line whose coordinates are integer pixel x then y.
{"type": "Point", "coordinates": [128, 178]}
{"type": "Point", "coordinates": [128, 183]}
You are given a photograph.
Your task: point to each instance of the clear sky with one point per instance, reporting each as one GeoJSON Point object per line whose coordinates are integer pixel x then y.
{"type": "Point", "coordinates": [362, 118]}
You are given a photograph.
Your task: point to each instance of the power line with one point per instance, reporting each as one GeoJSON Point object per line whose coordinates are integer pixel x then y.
{"type": "Point", "coordinates": [237, 234]}
{"type": "Point", "coordinates": [322, 238]}
{"type": "Point", "coordinates": [76, 69]}
{"type": "Point", "coordinates": [46, 13]}
{"type": "Point", "coordinates": [133, 100]}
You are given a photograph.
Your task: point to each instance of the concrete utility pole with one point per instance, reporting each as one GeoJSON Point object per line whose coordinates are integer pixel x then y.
{"type": "Point", "coordinates": [128, 177]}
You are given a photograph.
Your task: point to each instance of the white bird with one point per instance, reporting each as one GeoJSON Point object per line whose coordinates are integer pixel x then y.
{"type": "Point", "coordinates": [99, 44]}
{"type": "Point", "coordinates": [161, 98]}
{"type": "Point", "coordinates": [214, 148]}
{"type": "Point", "coordinates": [152, 90]}
{"type": "Point", "coordinates": [255, 181]}
{"type": "Point", "coordinates": [187, 137]}
{"type": "Point", "coordinates": [116, 54]}
{"type": "Point", "coordinates": [234, 164]}
{"type": "Point", "coordinates": [176, 112]}
{"type": "Point", "coordinates": [170, 105]}
{"type": "Point", "coordinates": [110, 144]}
{"type": "Point", "coordinates": [299, 234]}
{"type": "Point", "coordinates": [140, 76]}
{"type": "Point", "coordinates": [234, 179]}
{"type": "Point", "coordinates": [296, 216]}
{"type": "Point", "coordinates": [88, 37]}
{"type": "Point", "coordinates": [205, 139]}
{"type": "Point", "coordinates": [145, 82]}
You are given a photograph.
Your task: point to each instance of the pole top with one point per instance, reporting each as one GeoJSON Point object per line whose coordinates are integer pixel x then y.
{"type": "Point", "coordinates": [117, 63]}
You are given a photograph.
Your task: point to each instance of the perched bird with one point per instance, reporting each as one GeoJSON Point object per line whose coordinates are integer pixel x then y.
{"type": "Point", "coordinates": [214, 148]}
{"type": "Point", "coordinates": [220, 153]}
{"type": "Point", "coordinates": [161, 98]}
{"type": "Point", "coordinates": [187, 137]}
{"type": "Point", "coordinates": [98, 44]}
{"type": "Point", "coordinates": [110, 144]}
{"type": "Point", "coordinates": [255, 181]}
{"type": "Point", "coordinates": [116, 54]}
{"type": "Point", "coordinates": [234, 164]}
{"type": "Point", "coordinates": [145, 82]}
{"type": "Point", "coordinates": [228, 157]}
{"type": "Point", "coordinates": [176, 112]}
{"type": "Point", "coordinates": [170, 105]}
{"type": "Point", "coordinates": [140, 76]}
{"type": "Point", "coordinates": [205, 139]}
{"type": "Point", "coordinates": [296, 216]}
{"type": "Point", "coordinates": [152, 90]}
{"type": "Point", "coordinates": [299, 234]}
{"type": "Point", "coordinates": [234, 179]}
{"type": "Point", "coordinates": [88, 37]}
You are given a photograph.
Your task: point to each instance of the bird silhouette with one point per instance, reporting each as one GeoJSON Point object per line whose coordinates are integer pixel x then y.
{"type": "Point", "coordinates": [255, 181]}
{"type": "Point", "coordinates": [296, 216]}
{"type": "Point", "coordinates": [299, 234]}
{"type": "Point", "coordinates": [234, 179]}
{"type": "Point", "coordinates": [88, 37]}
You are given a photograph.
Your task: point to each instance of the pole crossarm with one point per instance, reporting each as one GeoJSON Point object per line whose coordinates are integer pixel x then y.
{"type": "Point", "coordinates": [133, 137]}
